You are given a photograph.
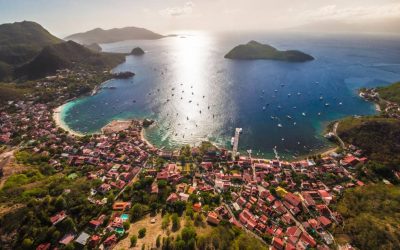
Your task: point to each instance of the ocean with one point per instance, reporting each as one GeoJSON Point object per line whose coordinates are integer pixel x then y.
{"type": "Point", "coordinates": [193, 93]}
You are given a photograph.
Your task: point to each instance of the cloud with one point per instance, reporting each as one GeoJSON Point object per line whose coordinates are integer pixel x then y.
{"type": "Point", "coordinates": [333, 12]}
{"type": "Point", "coordinates": [186, 9]}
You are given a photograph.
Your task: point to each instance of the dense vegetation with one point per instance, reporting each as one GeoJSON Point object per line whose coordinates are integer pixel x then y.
{"type": "Point", "coordinates": [113, 35]}
{"type": "Point", "coordinates": [67, 55]}
{"type": "Point", "coordinates": [390, 93]}
{"type": "Point", "coordinates": [11, 92]}
{"type": "Point", "coordinates": [378, 137]}
{"type": "Point", "coordinates": [372, 217]}
{"type": "Point", "coordinates": [19, 43]}
{"type": "Point", "coordinates": [254, 50]}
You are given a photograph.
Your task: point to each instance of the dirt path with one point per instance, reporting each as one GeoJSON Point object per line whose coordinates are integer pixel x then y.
{"type": "Point", "coordinates": [152, 231]}
{"type": "Point", "coordinates": [9, 166]}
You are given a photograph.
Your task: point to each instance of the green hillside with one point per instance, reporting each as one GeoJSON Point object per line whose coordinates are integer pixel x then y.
{"type": "Point", "coordinates": [371, 217]}
{"type": "Point", "coordinates": [390, 93]}
{"type": "Point", "coordinates": [379, 137]}
{"type": "Point", "coordinates": [21, 41]}
{"type": "Point", "coordinates": [67, 55]}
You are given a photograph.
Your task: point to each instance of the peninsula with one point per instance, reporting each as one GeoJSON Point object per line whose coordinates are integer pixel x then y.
{"type": "Point", "coordinates": [256, 51]}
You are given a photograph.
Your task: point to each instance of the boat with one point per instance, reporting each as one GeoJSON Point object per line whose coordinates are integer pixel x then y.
{"type": "Point", "coordinates": [303, 114]}
{"type": "Point", "coordinates": [340, 103]}
{"type": "Point", "coordinates": [326, 104]}
{"type": "Point", "coordinates": [289, 117]}
{"type": "Point", "coordinates": [294, 123]}
{"type": "Point", "coordinates": [280, 125]}
{"type": "Point", "coordinates": [289, 95]}
{"type": "Point", "coordinates": [264, 108]}
{"type": "Point", "coordinates": [319, 113]}
{"type": "Point", "coordinates": [321, 97]}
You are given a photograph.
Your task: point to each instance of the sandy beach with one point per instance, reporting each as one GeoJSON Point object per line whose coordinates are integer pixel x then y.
{"type": "Point", "coordinates": [60, 123]}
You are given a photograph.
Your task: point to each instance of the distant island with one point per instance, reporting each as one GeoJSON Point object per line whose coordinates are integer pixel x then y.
{"type": "Point", "coordinates": [255, 51]}
{"type": "Point", "coordinates": [113, 35]}
{"type": "Point", "coordinates": [137, 51]}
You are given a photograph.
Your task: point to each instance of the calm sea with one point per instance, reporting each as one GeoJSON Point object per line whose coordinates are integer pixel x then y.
{"type": "Point", "coordinates": [194, 94]}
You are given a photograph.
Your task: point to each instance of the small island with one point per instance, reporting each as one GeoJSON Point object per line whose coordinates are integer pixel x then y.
{"type": "Point", "coordinates": [123, 75]}
{"type": "Point", "coordinates": [256, 51]}
{"type": "Point", "coordinates": [137, 51]}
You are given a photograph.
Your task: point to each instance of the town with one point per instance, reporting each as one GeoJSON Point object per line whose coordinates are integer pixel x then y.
{"type": "Point", "coordinates": [287, 205]}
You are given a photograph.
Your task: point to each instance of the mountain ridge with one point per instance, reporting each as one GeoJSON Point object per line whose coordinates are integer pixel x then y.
{"type": "Point", "coordinates": [99, 35]}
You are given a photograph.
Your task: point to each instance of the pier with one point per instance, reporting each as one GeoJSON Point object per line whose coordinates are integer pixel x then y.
{"type": "Point", "coordinates": [235, 142]}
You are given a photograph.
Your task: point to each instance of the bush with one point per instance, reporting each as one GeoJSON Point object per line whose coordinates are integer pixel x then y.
{"type": "Point", "coordinates": [133, 240]}
{"type": "Point", "coordinates": [142, 232]}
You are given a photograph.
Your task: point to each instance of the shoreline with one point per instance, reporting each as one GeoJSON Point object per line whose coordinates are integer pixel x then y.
{"type": "Point", "coordinates": [57, 118]}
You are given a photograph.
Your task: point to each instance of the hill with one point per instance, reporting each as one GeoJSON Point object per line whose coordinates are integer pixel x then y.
{"type": "Point", "coordinates": [113, 35]}
{"type": "Point", "coordinates": [254, 50]}
{"type": "Point", "coordinates": [379, 137]}
{"type": "Point", "coordinates": [67, 55]}
{"type": "Point", "coordinates": [390, 93]}
{"type": "Point", "coordinates": [371, 217]}
{"type": "Point", "coordinates": [21, 41]}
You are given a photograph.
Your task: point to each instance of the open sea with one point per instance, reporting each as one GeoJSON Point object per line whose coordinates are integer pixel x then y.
{"type": "Point", "coordinates": [193, 93]}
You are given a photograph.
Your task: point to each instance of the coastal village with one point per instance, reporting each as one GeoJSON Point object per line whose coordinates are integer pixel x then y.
{"type": "Point", "coordinates": [287, 205]}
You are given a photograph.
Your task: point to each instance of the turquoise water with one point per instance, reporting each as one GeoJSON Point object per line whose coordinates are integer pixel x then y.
{"type": "Point", "coordinates": [186, 85]}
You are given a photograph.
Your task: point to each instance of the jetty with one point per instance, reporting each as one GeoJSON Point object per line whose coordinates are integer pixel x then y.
{"type": "Point", "coordinates": [235, 142]}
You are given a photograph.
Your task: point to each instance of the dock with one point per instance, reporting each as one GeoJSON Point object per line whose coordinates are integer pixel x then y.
{"type": "Point", "coordinates": [235, 143]}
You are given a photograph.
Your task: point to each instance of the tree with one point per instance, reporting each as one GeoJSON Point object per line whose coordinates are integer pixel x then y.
{"type": "Point", "coordinates": [142, 232]}
{"type": "Point", "coordinates": [158, 243]}
{"type": "Point", "coordinates": [175, 222]}
{"type": "Point", "coordinates": [188, 233]}
{"type": "Point", "coordinates": [198, 219]}
{"type": "Point", "coordinates": [127, 225]}
{"type": "Point", "coordinates": [133, 240]}
{"type": "Point", "coordinates": [136, 212]}
{"type": "Point", "coordinates": [68, 225]}
{"type": "Point", "coordinates": [165, 222]}
{"type": "Point", "coordinates": [60, 203]}
{"type": "Point", "coordinates": [27, 243]}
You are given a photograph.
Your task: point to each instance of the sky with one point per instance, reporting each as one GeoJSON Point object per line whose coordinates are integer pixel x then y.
{"type": "Point", "coordinates": [65, 17]}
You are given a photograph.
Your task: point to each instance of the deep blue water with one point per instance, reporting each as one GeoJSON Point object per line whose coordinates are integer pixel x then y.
{"type": "Point", "coordinates": [180, 76]}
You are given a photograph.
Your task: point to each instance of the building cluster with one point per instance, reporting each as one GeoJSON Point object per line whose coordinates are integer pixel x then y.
{"type": "Point", "coordinates": [290, 202]}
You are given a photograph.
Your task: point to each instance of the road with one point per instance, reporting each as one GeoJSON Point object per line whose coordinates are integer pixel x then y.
{"type": "Point", "coordinates": [334, 131]}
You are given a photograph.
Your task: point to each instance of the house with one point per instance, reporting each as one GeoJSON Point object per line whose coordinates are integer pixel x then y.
{"type": "Point", "coordinates": [121, 206]}
{"type": "Point", "coordinates": [212, 218]}
{"type": "Point", "coordinates": [44, 246]}
{"type": "Point", "coordinates": [68, 238]}
{"type": "Point", "coordinates": [104, 188]}
{"type": "Point", "coordinates": [110, 241]}
{"type": "Point", "coordinates": [82, 238]}
{"type": "Point", "coordinates": [197, 207]}
{"type": "Point", "coordinates": [294, 200]}
{"type": "Point", "coordinates": [94, 241]}
{"type": "Point", "coordinates": [278, 243]}
{"type": "Point", "coordinates": [172, 198]}
{"type": "Point", "coordinates": [58, 217]}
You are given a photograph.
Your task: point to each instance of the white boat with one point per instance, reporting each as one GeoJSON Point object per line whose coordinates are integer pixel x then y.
{"type": "Point", "coordinates": [303, 114]}
{"type": "Point", "coordinates": [280, 125]}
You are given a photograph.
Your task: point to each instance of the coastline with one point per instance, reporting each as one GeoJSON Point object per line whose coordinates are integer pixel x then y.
{"type": "Point", "coordinates": [61, 124]}
{"type": "Point", "coordinates": [143, 137]}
